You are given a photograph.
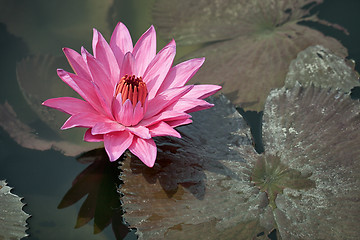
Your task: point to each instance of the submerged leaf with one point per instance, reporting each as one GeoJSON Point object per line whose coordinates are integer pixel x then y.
{"type": "Point", "coordinates": [38, 81]}
{"type": "Point", "coordinates": [28, 138]}
{"type": "Point", "coordinates": [67, 22]}
{"type": "Point", "coordinates": [249, 44]}
{"type": "Point", "coordinates": [12, 217]}
{"type": "Point", "coordinates": [316, 131]}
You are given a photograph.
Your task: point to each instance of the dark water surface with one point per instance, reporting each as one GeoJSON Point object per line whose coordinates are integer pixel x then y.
{"type": "Point", "coordinates": [43, 178]}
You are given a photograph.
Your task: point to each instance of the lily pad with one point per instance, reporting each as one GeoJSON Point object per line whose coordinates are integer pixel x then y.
{"type": "Point", "coordinates": [38, 81]}
{"type": "Point", "coordinates": [320, 67]}
{"type": "Point", "coordinates": [212, 184]}
{"type": "Point", "coordinates": [12, 217]}
{"type": "Point", "coordinates": [200, 184]}
{"type": "Point", "coordinates": [27, 137]}
{"type": "Point", "coordinates": [248, 45]}
{"type": "Point", "coordinates": [316, 131]}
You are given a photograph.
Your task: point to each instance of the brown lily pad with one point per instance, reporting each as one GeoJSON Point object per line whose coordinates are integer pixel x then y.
{"type": "Point", "coordinates": [320, 67]}
{"type": "Point", "coordinates": [248, 45]}
{"type": "Point", "coordinates": [200, 184]}
{"type": "Point", "coordinates": [12, 217]}
{"type": "Point", "coordinates": [316, 131]}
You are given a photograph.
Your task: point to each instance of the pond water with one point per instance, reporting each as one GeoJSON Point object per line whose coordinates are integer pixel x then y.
{"type": "Point", "coordinates": [32, 34]}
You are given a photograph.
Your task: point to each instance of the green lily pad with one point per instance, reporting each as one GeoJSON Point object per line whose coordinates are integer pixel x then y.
{"type": "Point", "coordinates": [12, 217]}
{"type": "Point", "coordinates": [248, 45]}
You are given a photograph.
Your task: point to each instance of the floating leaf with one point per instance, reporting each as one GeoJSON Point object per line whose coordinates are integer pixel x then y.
{"type": "Point", "coordinates": [67, 22]}
{"type": "Point", "coordinates": [99, 182]}
{"type": "Point", "coordinates": [318, 66]}
{"type": "Point", "coordinates": [206, 184]}
{"type": "Point", "coordinates": [12, 217]}
{"type": "Point", "coordinates": [200, 184]}
{"type": "Point", "coordinates": [27, 137]}
{"type": "Point", "coordinates": [248, 44]}
{"type": "Point", "coordinates": [38, 81]}
{"type": "Point", "coordinates": [316, 131]}
{"type": "Point", "coordinates": [272, 176]}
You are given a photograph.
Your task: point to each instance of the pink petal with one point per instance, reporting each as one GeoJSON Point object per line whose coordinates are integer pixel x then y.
{"type": "Point", "coordinates": [88, 137]}
{"type": "Point", "coordinates": [87, 120]}
{"type": "Point", "coordinates": [77, 63]}
{"type": "Point", "coordinates": [69, 105]}
{"type": "Point", "coordinates": [121, 42]}
{"type": "Point", "coordinates": [116, 143]}
{"type": "Point", "coordinates": [105, 55]}
{"type": "Point", "coordinates": [202, 91]}
{"type": "Point", "coordinates": [180, 122]}
{"type": "Point", "coordinates": [126, 113]}
{"type": "Point", "coordinates": [105, 104]}
{"type": "Point", "coordinates": [129, 65]}
{"type": "Point", "coordinates": [145, 150]}
{"type": "Point", "coordinates": [164, 116]}
{"type": "Point", "coordinates": [165, 99]}
{"type": "Point", "coordinates": [107, 127]}
{"type": "Point", "coordinates": [100, 77]}
{"type": "Point", "coordinates": [140, 131]}
{"type": "Point", "coordinates": [189, 105]}
{"type": "Point", "coordinates": [163, 129]}
{"type": "Point", "coordinates": [145, 50]}
{"type": "Point", "coordinates": [138, 114]}
{"type": "Point", "coordinates": [116, 107]}
{"type": "Point", "coordinates": [83, 87]}
{"type": "Point", "coordinates": [180, 74]}
{"type": "Point", "coordinates": [158, 68]}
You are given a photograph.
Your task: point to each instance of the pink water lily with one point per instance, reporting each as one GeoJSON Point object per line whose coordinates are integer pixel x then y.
{"type": "Point", "coordinates": [131, 93]}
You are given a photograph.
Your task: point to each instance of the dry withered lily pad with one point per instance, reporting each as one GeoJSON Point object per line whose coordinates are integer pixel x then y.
{"type": "Point", "coordinates": [318, 66]}
{"type": "Point", "coordinates": [12, 217]}
{"type": "Point", "coordinates": [248, 45]}
{"type": "Point", "coordinates": [316, 131]}
{"type": "Point", "coordinates": [212, 185]}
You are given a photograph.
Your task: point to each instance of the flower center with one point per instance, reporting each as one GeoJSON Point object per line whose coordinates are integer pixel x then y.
{"type": "Point", "coordinates": [132, 88]}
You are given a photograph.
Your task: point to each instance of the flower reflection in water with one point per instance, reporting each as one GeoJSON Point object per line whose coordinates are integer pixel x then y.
{"type": "Point", "coordinates": [99, 181]}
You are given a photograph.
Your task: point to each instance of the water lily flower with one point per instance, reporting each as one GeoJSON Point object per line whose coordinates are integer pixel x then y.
{"type": "Point", "coordinates": [131, 94]}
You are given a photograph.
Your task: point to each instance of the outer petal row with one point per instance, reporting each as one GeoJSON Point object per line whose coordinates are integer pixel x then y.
{"type": "Point", "coordinates": [69, 105]}
{"type": "Point", "coordinates": [116, 143]}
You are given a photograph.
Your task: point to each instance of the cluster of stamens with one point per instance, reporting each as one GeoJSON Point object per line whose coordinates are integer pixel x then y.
{"type": "Point", "coordinates": [132, 88]}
